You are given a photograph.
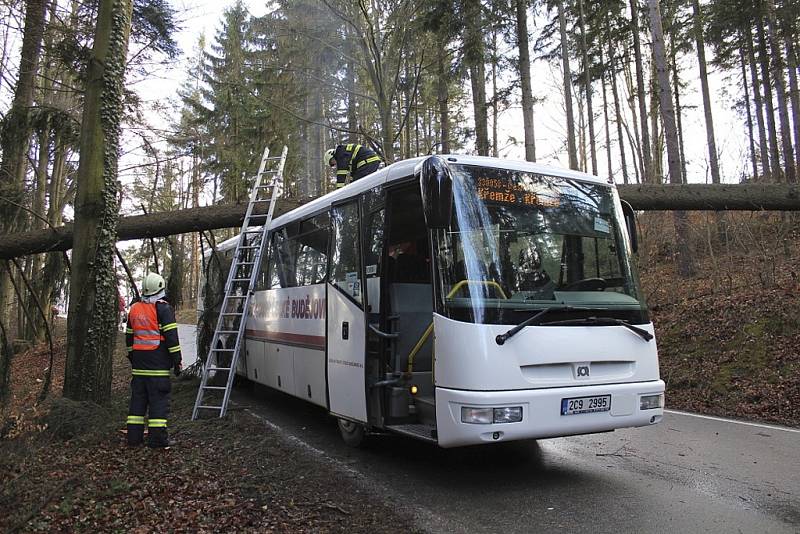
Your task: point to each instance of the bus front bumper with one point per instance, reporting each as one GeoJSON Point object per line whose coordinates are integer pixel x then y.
{"type": "Point", "coordinates": [542, 412]}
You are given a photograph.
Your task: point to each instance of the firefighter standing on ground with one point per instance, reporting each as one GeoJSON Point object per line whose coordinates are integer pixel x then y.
{"type": "Point", "coordinates": [354, 160]}
{"type": "Point", "coordinates": [153, 349]}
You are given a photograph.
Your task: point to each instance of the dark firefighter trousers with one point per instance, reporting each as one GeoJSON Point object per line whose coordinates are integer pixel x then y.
{"type": "Point", "coordinates": [149, 392]}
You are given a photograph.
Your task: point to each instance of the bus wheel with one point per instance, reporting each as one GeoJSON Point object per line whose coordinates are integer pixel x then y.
{"type": "Point", "coordinates": [352, 433]}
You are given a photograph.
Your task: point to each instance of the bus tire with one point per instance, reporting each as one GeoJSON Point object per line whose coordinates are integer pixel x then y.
{"type": "Point", "coordinates": [354, 434]}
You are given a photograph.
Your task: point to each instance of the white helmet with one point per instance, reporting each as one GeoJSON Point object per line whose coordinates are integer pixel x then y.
{"type": "Point", "coordinates": [153, 283]}
{"type": "Point", "coordinates": [329, 156]}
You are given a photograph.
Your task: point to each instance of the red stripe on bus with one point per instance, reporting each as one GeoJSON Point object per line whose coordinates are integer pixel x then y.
{"type": "Point", "coordinates": [317, 342]}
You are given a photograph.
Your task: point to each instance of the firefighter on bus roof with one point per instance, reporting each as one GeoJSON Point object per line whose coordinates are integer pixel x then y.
{"type": "Point", "coordinates": [354, 160]}
{"type": "Point", "coordinates": [153, 349]}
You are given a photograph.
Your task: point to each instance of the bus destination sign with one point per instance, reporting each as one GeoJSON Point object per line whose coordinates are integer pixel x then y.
{"type": "Point", "coordinates": [508, 192]}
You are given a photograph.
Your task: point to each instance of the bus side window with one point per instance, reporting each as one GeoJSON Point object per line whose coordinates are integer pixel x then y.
{"type": "Point", "coordinates": [345, 266]}
{"type": "Point", "coordinates": [269, 270]}
{"type": "Point", "coordinates": [374, 243]}
{"type": "Point", "coordinates": [312, 250]}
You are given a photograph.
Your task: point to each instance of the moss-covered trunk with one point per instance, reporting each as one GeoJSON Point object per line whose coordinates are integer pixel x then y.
{"type": "Point", "coordinates": [92, 320]}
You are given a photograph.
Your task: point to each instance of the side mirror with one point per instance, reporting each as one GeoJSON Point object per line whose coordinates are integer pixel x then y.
{"type": "Point", "coordinates": [630, 222]}
{"type": "Point", "coordinates": [436, 186]}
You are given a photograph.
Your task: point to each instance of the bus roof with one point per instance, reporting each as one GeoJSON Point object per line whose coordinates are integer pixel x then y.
{"type": "Point", "coordinates": [403, 169]}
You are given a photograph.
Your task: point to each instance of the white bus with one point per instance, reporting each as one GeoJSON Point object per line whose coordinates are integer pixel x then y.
{"type": "Point", "coordinates": [459, 300]}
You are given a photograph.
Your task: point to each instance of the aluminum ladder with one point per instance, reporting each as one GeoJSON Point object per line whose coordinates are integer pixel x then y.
{"type": "Point", "coordinates": [245, 268]}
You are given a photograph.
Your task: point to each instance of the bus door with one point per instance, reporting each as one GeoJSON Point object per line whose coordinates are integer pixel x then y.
{"type": "Point", "coordinates": [346, 329]}
{"type": "Point", "coordinates": [408, 308]}
{"type": "Point", "coordinates": [378, 341]}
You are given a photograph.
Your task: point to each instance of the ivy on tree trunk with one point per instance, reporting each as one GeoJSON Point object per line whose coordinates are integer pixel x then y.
{"type": "Point", "coordinates": [92, 320]}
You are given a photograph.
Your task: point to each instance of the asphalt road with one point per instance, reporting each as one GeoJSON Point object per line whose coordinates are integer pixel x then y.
{"type": "Point", "coordinates": [687, 474]}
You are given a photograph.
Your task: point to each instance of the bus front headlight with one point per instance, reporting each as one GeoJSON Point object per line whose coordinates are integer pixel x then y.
{"type": "Point", "coordinates": [651, 402]}
{"type": "Point", "coordinates": [512, 414]}
{"type": "Point", "coordinates": [487, 416]}
{"type": "Point", "coordinates": [476, 416]}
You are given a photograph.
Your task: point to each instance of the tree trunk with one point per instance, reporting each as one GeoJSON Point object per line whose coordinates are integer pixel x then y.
{"type": "Point", "coordinates": [617, 114]}
{"type": "Point", "coordinates": [587, 80]}
{"type": "Point", "coordinates": [712, 197]}
{"type": "Point", "coordinates": [175, 280]}
{"type": "Point", "coordinates": [92, 319]}
{"type": "Point", "coordinates": [684, 258]}
{"type": "Point", "coordinates": [316, 173]}
{"type": "Point", "coordinates": [701, 60]}
{"type": "Point", "coordinates": [138, 227]}
{"type": "Point", "coordinates": [582, 161]}
{"type": "Point", "coordinates": [36, 330]}
{"type": "Point", "coordinates": [15, 136]}
{"type": "Point", "coordinates": [350, 81]}
{"type": "Point", "coordinates": [766, 168]}
{"type": "Point", "coordinates": [794, 95]}
{"type": "Point", "coordinates": [676, 83]}
{"type": "Point", "coordinates": [640, 94]}
{"type": "Point", "coordinates": [766, 83]}
{"type": "Point", "coordinates": [776, 54]}
{"type": "Point", "coordinates": [525, 79]}
{"type": "Point", "coordinates": [635, 139]}
{"type": "Point", "coordinates": [603, 71]}
{"type": "Point", "coordinates": [442, 95]}
{"type": "Point", "coordinates": [54, 267]}
{"type": "Point", "coordinates": [780, 197]}
{"type": "Point", "coordinates": [495, 99]}
{"type": "Point", "coordinates": [474, 57]}
{"type": "Point", "coordinates": [656, 137]}
{"type": "Point", "coordinates": [572, 150]}
{"type": "Point", "coordinates": [17, 127]}
{"type": "Point", "coordinates": [750, 133]}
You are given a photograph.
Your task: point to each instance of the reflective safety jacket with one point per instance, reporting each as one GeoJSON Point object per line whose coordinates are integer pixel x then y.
{"type": "Point", "coordinates": [356, 160]}
{"type": "Point", "coordinates": [152, 338]}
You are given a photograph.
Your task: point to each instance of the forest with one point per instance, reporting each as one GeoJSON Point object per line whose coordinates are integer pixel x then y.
{"type": "Point", "coordinates": [631, 87]}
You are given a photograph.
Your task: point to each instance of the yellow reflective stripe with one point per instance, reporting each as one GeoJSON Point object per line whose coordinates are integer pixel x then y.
{"type": "Point", "coordinates": [343, 173]}
{"type": "Point", "coordinates": [170, 326]}
{"type": "Point", "coordinates": [175, 349]}
{"type": "Point", "coordinates": [157, 423]}
{"type": "Point", "coordinates": [135, 419]}
{"type": "Point", "coordinates": [150, 372]}
{"type": "Point", "coordinates": [130, 349]}
{"type": "Point", "coordinates": [349, 147]}
{"type": "Point", "coordinates": [370, 159]}
{"type": "Point", "coordinates": [129, 330]}
{"type": "Point", "coordinates": [354, 154]}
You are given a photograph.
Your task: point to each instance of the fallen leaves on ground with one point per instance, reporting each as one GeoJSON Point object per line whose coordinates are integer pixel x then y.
{"type": "Point", "coordinates": [232, 475]}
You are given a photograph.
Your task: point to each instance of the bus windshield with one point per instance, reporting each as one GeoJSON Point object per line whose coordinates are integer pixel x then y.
{"type": "Point", "coordinates": [520, 242]}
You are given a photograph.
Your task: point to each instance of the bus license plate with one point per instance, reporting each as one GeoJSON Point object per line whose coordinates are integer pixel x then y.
{"type": "Point", "coordinates": [597, 403]}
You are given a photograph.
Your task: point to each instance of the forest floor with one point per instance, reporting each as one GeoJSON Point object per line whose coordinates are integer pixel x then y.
{"type": "Point", "coordinates": [66, 468]}
{"type": "Point", "coordinates": [729, 337]}
{"type": "Point", "coordinates": [727, 342]}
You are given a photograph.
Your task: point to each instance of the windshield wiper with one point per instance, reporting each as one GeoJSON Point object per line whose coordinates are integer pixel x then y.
{"type": "Point", "coordinates": [533, 320]}
{"type": "Point", "coordinates": [603, 321]}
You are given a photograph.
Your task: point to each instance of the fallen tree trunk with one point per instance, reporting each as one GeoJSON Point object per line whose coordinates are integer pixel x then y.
{"type": "Point", "coordinates": [712, 197]}
{"type": "Point", "coordinates": [159, 224]}
{"type": "Point", "coordinates": [746, 197]}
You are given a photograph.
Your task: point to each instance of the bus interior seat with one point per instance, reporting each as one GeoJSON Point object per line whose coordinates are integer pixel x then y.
{"type": "Point", "coordinates": [413, 305]}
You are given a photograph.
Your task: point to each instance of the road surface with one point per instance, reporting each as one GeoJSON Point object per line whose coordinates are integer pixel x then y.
{"type": "Point", "coordinates": [688, 474]}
